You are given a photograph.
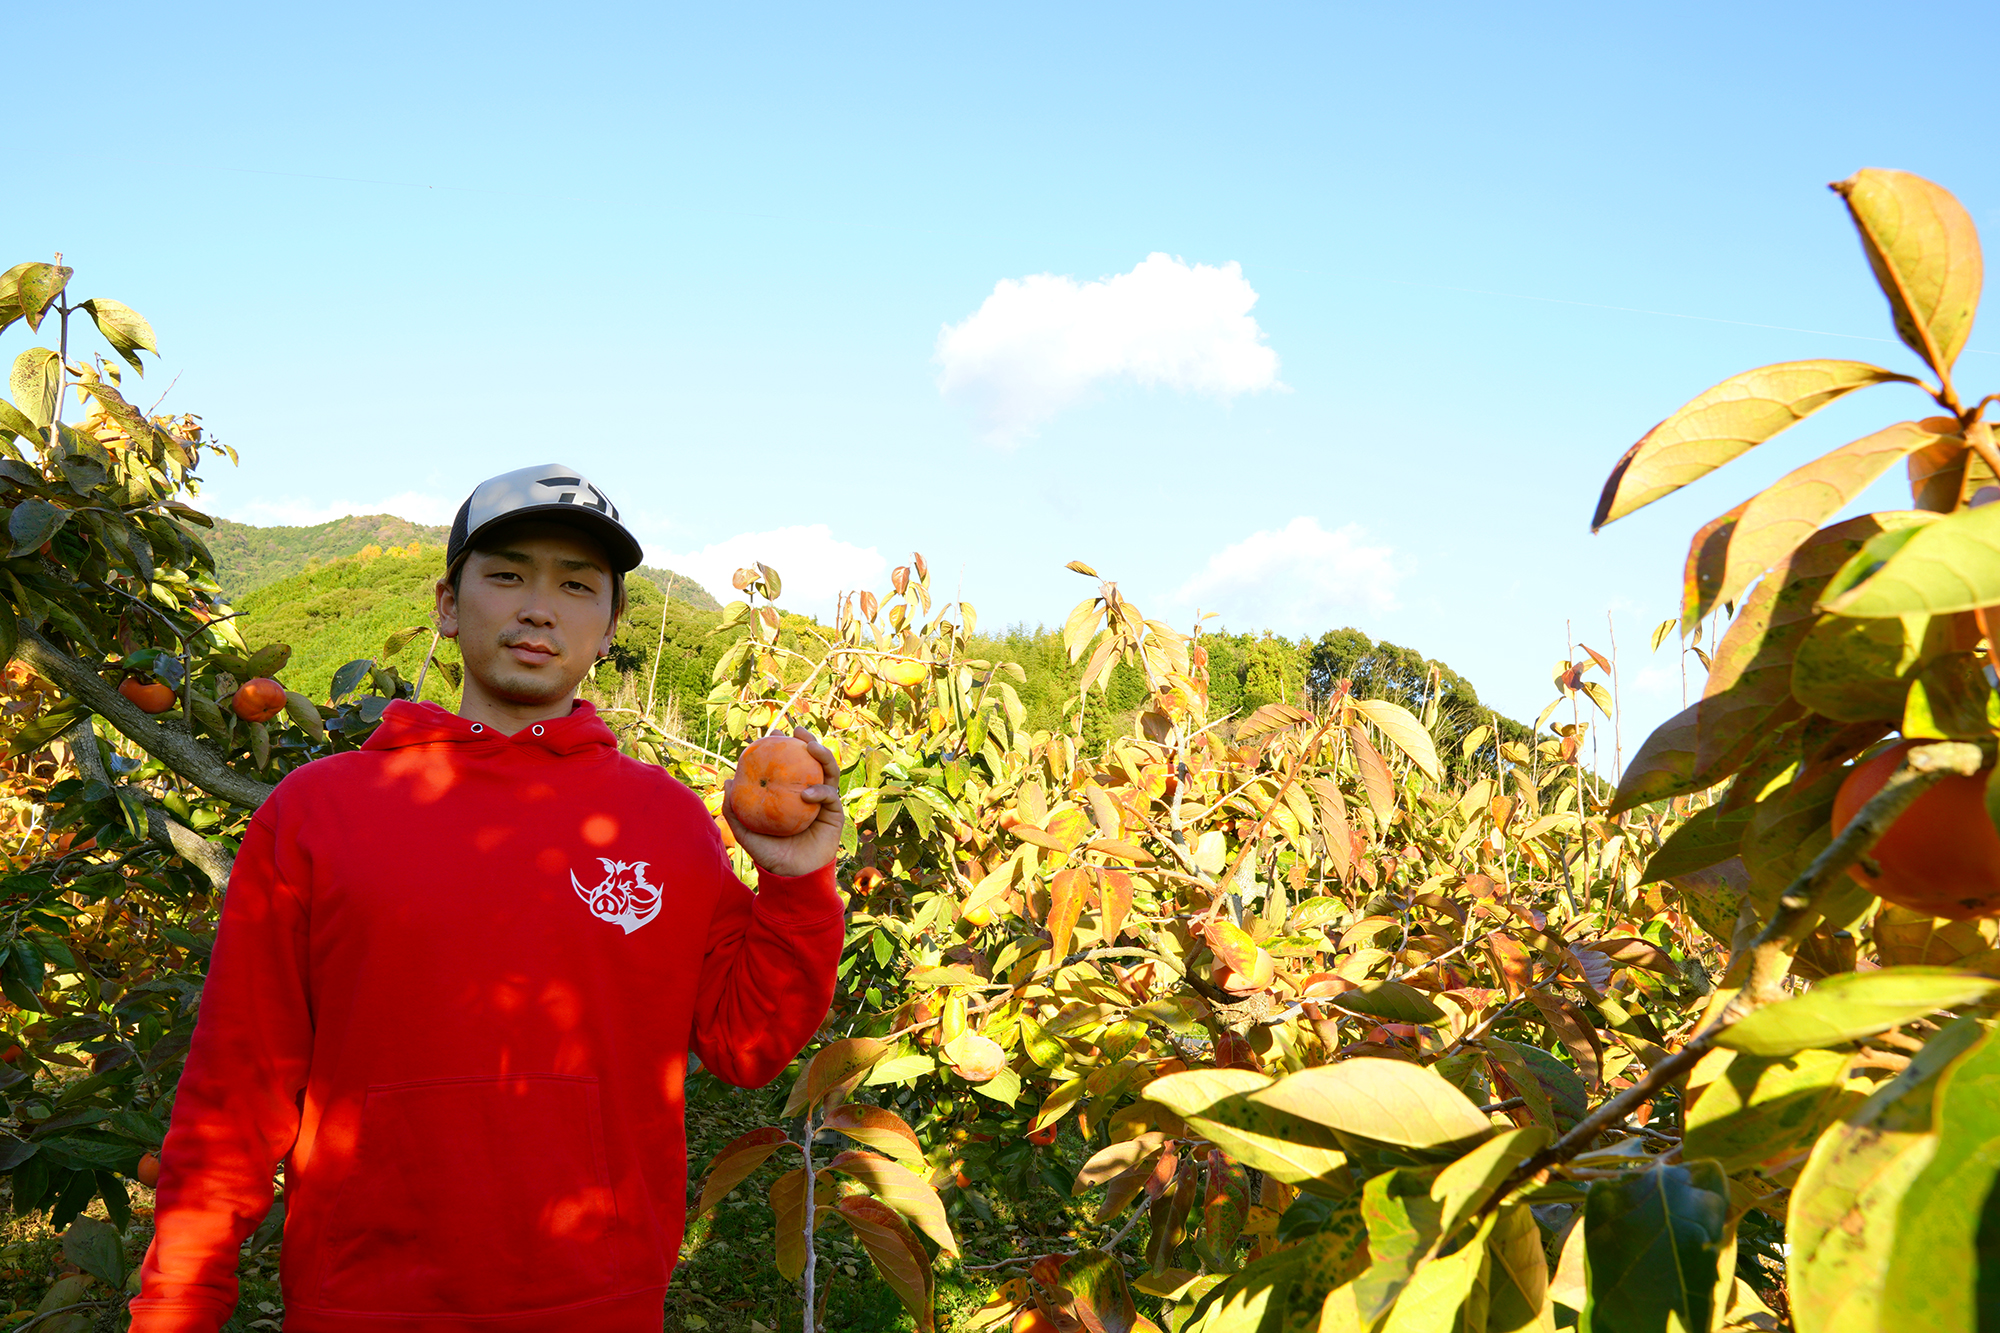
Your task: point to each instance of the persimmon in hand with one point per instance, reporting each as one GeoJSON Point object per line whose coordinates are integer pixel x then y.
{"type": "Point", "coordinates": [770, 775]}
{"type": "Point", "coordinates": [1942, 855]}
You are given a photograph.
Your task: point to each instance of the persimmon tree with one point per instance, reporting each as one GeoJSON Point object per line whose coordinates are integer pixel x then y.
{"type": "Point", "coordinates": [107, 905]}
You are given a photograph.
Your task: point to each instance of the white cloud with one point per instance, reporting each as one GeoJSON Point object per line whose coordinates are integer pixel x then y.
{"type": "Point", "coordinates": [1039, 343]}
{"type": "Point", "coordinates": [295, 513]}
{"type": "Point", "coordinates": [814, 564]}
{"type": "Point", "coordinates": [1299, 578]}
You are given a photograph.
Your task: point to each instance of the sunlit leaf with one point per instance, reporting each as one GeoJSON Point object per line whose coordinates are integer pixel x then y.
{"type": "Point", "coordinates": [1737, 414]}
{"type": "Point", "coordinates": [840, 1064]}
{"type": "Point", "coordinates": [882, 1130]}
{"type": "Point", "coordinates": [1404, 732]}
{"type": "Point", "coordinates": [1387, 1101]}
{"type": "Point", "coordinates": [124, 328]}
{"type": "Point", "coordinates": [1858, 1004]}
{"type": "Point", "coordinates": [1767, 1108]}
{"type": "Point", "coordinates": [1925, 253]}
{"type": "Point", "coordinates": [903, 1190]}
{"type": "Point", "coordinates": [1951, 564]}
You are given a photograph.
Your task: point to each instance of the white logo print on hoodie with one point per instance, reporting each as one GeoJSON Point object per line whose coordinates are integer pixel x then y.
{"type": "Point", "coordinates": [624, 899]}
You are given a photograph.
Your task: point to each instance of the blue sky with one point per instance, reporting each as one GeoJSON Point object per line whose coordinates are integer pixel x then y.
{"type": "Point", "coordinates": [709, 255]}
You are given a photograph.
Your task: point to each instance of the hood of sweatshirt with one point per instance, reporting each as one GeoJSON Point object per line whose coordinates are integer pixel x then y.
{"type": "Point", "coordinates": [405, 724]}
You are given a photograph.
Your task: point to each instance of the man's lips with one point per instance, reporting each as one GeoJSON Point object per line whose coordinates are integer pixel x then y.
{"type": "Point", "coordinates": [532, 654]}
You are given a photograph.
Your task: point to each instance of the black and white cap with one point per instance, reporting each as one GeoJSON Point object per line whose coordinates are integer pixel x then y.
{"type": "Point", "coordinates": [549, 491]}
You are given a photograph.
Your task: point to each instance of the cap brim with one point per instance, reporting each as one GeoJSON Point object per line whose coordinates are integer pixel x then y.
{"type": "Point", "coordinates": [617, 542]}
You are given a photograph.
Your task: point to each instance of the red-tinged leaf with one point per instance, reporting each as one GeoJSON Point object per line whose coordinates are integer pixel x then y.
{"type": "Point", "coordinates": [1129, 852]}
{"type": "Point", "coordinates": [841, 1065]}
{"type": "Point", "coordinates": [1270, 718]}
{"type": "Point", "coordinates": [1631, 951]}
{"type": "Point", "coordinates": [1593, 967]}
{"type": "Point", "coordinates": [1719, 425]}
{"type": "Point", "coordinates": [897, 1255]}
{"type": "Point", "coordinates": [1070, 827]}
{"type": "Point", "coordinates": [1027, 832]}
{"type": "Point", "coordinates": [1067, 889]}
{"type": "Point", "coordinates": [738, 1158]}
{"type": "Point", "coordinates": [1103, 1302]}
{"type": "Point", "coordinates": [1232, 945]}
{"type": "Point", "coordinates": [1575, 1033]}
{"type": "Point", "coordinates": [903, 1190]}
{"type": "Point", "coordinates": [879, 1129]}
{"type": "Point", "coordinates": [1114, 887]}
{"type": "Point", "coordinates": [1376, 780]}
{"type": "Point", "coordinates": [1109, 1163]}
{"type": "Point", "coordinates": [1603, 663]}
{"type": "Point", "coordinates": [1707, 557]}
{"type": "Point", "coordinates": [1516, 964]}
{"type": "Point", "coordinates": [1777, 520]}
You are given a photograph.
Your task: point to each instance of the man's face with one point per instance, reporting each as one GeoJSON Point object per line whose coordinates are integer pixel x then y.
{"type": "Point", "coordinates": [531, 614]}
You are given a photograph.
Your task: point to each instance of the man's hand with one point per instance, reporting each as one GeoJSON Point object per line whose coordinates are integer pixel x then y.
{"type": "Point", "coordinates": [802, 853]}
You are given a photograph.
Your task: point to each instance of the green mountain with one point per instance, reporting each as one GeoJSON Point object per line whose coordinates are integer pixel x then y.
{"type": "Point", "coordinates": [248, 557]}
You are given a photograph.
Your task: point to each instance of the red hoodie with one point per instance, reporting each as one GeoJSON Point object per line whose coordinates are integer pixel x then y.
{"type": "Point", "coordinates": [453, 989]}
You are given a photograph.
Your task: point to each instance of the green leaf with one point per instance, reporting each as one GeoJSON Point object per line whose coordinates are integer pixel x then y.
{"type": "Point", "coordinates": [1768, 1108]}
{"type": "Point", "coordinates": [1741, 412]}
{"type": "Point", "coordinates": [1467, 1184]}
{"type": "Point", "coordinates": [1841, 1221]}
{"type": "Point", "coordinates": [1785, 831]}
{"type": "Point", "coordinates": [348, 677]}
{"type": "Point", "coordinates": [124, 328]}
{"type": "Point", "coordinates": [788, 1217]}
{"type": "Point", "coordinates": [1781, 517]}
{"type": "Point", "coordinates": [1854, 670]}
{"type": "Point", "coordinates": [1925, 253]}
{"type": "Point", "coordinates": [1446, 1292]}
{"type": "Point", "coordinates": [1404, 1229]}
{"type": "Point", "coordinates": [1389, 1001]}
{"type": "Point", "coordinates": [1710, 836]}
{"type": "Point", "coordinates": [1853, 1005]}
{"type": "Point", "coordinates": [895, 1252]}
{"type": "Point", "coordinates": [1518, 1281]}
{"type": "Point", "coordinates": [34, 382]}
{"type": "Point", "coordinates": [1944, 1274]}
{"type": "Point", "coordinates": [1653, 1245]}
{"type": "Point", "coordinates": [1950, 565]}
{"type": "Point", "coordinates": [36, 286]}
{"type": "Point", "coordinates": [1216, 1103]}
{"type": "Point", "coordinates": [1384, 1101]}
{"type": "Point", "coordinates": [1283, 1291]}
{"type": "Point", "coordinates": [94, 1247]}
{"type": "Point", "coordinates": [13, 423]}
{"type": "Point", "coordinates": [1665, 764]}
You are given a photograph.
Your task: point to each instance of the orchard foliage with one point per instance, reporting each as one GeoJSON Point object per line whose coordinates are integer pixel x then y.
{"type": "Point", "coordinates": [1350, 1010]}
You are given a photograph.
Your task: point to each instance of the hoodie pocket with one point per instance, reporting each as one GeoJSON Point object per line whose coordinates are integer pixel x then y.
{"type": "Point", "coordinates": [474, 1196]}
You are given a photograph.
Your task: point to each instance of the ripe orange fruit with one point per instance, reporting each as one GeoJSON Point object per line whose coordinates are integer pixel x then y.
{"type": "Point", "coordinates": [770, 774]}
{"type": "Point", "coordinates": [909, 675]}
{"type": "Point", "coordinates": [1942, 856]}
{"type": "Point", "coordinates": [259, 699]}
{"type": "Point", "coordinates": [1043, 1137]}
{"type": "Point", "coordinates": [150, 695]}
{"type": "Point", "coordinates": [960, 1179]}
{"type": "Point", "coordinates": [11, 1054]}
{"type": "Point", "coordinates": [1032, 1320]}
{"type": "Point", "coordinates": [149, 1170]}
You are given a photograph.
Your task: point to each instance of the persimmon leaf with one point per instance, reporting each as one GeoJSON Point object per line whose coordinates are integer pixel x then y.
{"type": "Point", "coordinates": [1925, 252]}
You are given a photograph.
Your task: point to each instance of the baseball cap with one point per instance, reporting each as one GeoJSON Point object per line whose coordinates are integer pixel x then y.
{"type": "Point", "coordinates": [548, 491]}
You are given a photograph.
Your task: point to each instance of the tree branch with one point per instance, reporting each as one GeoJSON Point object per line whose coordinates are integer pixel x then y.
{"type": "Point", "coordinates": [178, 750]}
{"type": "Point", "coordinates": [211, 858]}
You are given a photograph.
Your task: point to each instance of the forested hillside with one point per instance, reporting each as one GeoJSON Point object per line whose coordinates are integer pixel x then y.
{"type": "Point", "coordinates": [248, 557]}
{"type": "Point", "coordinates": [339, 610]}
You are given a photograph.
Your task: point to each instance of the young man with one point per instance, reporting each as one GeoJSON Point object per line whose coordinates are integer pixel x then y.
{"type": "Point", "coordinates": [458, 974]}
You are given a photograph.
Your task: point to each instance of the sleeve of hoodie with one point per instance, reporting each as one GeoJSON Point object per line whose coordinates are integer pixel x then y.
{"type": "Point", "coordinates": [768, 973]}
{"type": "Point", "coordinates": [236, 1111]}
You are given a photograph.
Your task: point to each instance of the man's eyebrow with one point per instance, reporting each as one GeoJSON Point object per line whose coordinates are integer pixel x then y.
{"type": "Point", "coordinates": [571, 562]}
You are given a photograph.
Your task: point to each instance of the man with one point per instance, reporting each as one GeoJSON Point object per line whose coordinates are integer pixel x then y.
{"type": "Point", "coordinates": [458, 974]}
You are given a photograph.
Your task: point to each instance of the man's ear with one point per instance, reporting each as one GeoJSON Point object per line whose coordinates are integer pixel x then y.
{"type": "Point", "coordinates": [447, 609]}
